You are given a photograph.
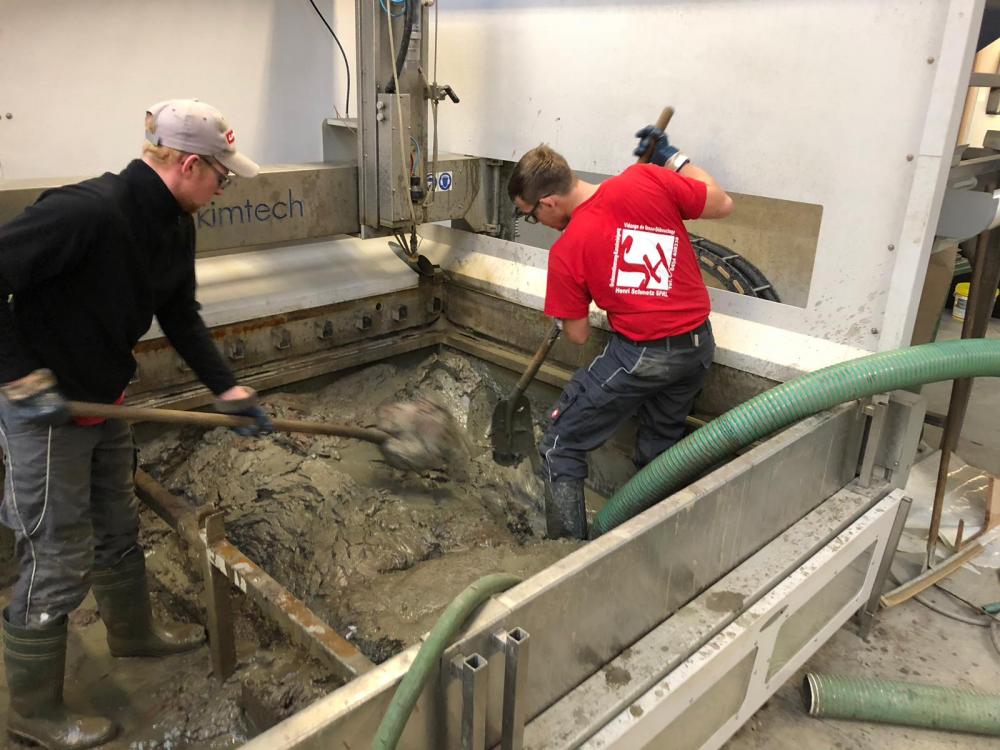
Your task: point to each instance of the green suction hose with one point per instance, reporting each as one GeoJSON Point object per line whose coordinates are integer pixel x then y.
{"type": "Point", "coordinates": [904, 703]}
{"type": "Point", "coordinates": [790, 402]}
{"type": "Point", "coordinates": [444, 630]}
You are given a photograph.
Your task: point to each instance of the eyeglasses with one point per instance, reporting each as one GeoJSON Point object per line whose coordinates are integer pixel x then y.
{"type": "Point", "coordinates": [530, 218]}
{"type": "Point", "coordinates": [221, 175]}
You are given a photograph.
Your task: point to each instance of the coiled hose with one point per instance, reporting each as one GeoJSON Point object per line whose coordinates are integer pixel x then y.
{"type": "Point", "coordinates": [790, 402]}
{"type": "Point", "coordinates": [904, 703]}
{"type": "Point", "coordinates": [412, 684]}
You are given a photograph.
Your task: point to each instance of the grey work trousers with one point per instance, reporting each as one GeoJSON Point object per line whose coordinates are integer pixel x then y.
{"type": "Point", "coordinates": [656, 382]}
{"type": "Point", "coordinates": [69, 499]}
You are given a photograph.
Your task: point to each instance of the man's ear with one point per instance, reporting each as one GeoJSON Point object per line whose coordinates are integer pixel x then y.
{"type": "Point", "coordinates": [187, 164]}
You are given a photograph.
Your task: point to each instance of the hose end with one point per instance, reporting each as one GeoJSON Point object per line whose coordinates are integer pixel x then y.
{"type": "Point", "coordinates": [810, 694]}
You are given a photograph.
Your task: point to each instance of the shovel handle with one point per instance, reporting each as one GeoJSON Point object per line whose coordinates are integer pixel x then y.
{"type": "Point", "coordinates": [661, 123]}
{"type": "Point", "coordinates": [536, 362]}
{"type": "Point", "coordinates": [206, 419]}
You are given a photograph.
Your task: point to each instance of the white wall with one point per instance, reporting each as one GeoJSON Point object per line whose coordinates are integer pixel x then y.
{"type": "Point", "coordinates": [818, 101]}
{"type": "Point", "coordinates": [78, 75]}
{"type": "Point", "coordinates": [850, 104]}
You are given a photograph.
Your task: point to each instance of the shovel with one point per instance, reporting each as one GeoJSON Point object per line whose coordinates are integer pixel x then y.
{"type": "Point", "coordinates": [421, 434]}
{"type": "Point", "coordinates": [512, 429]}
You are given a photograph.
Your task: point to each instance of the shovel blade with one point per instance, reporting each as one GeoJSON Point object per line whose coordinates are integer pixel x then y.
{"type": "Point", "coordinates": [512, 432]}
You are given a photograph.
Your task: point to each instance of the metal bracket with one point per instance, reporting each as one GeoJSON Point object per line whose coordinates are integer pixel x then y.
{"type": "Point", "coordinates": [236, 349]}
{"type": "Point", "coordinates": [221, 640]}
{"type": "Point", "coordinates": [324, 329]}
{"type": "Point", "coordinates": [281, 338]}
{"type": "Point", "coordinates": [867, 614]}
{"type": "Point", "coordinates": [472, 671]}
{"type": "Point", "coordinates": [439, 93]}
{"type": "Point", "coordinates": [515, 645]}
{"type": "Point", "coordinates": [878, 409]}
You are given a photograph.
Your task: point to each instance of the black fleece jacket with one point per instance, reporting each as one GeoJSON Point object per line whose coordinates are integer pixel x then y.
{"type": "Point", "coordinates": [82, 273]}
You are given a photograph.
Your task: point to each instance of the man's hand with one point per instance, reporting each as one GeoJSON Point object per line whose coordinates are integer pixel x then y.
{"type": "Point", "coordinates": [241, 401]}
{"type": "Point", "coordinates": [35, 398]}
{"type": "Point", "coordinates": [663, 153]}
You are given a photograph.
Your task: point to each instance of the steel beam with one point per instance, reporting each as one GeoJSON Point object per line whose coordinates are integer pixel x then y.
{"type": "Point", "coordinates": [218, 604]}
{"type": "Point", "coordinates": [288, 612]}
{"type": "Point", "coordinates": [221, 557]}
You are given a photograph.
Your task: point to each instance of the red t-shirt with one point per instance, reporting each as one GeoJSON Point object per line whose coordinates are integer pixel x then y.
{"type": "Point", "coordinates": [626, 249]}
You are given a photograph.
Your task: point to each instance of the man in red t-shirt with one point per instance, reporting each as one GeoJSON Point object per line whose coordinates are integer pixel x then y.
{"type": "Point", "coordinates": [624, 247]}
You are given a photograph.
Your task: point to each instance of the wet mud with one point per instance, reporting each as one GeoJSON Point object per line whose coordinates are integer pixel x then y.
{"type": "Point", "coordinates": [376, 551]}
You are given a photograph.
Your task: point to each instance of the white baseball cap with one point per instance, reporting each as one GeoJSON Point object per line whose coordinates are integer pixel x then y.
{"type": "Point", "coordinates": [197, 128]}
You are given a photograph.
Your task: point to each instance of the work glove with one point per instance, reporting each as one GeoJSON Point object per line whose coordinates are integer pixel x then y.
{"type": "Point", "coordinates": [663, 153]}
{"type": "Point", "coordinates": [36, 399]}
{"type": "Point", "coordinates": [246, 407]}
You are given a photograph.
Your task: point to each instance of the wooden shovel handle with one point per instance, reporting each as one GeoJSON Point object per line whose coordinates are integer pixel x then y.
{"type": "Point", "coordinates": [206, 419]}
{"type": "Point", "coordinates": [536, 362]}
{"type": "Point", "coordinates": [661, 123]}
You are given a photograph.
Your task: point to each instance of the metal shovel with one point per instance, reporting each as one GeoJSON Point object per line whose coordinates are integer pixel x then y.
{"type": "Point", "coordinates": [512, 429]}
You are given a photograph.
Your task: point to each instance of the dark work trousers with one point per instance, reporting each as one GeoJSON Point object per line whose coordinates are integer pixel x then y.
{"type": "Point", "coordinates": [69, 498]}
{"type": "Point", "coordinates": [657, 382]}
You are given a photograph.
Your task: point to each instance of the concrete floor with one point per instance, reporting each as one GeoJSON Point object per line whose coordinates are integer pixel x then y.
{"type": "Point", "coordinates": [910, 642]}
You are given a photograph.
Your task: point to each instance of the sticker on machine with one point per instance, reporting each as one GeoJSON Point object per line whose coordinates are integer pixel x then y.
{"type": "Point", "coordinates": [444, 181]}
{"type": "Point", "coordinates": [644, 260]}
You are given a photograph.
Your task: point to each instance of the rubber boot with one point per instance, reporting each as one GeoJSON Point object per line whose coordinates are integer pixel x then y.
{"type": "Point", "coordinates": [565, 511]}
{"type": "Point", "coordinates": [123, 600]}
{"type": "Point", "coordinates": [35, 660]}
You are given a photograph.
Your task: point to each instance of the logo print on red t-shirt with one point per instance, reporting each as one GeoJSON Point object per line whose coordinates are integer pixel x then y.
{"type": "Point", "coordinates": [644, 261]}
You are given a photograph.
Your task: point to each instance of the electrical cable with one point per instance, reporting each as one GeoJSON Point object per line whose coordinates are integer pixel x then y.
{"type": "Point", "coordinates": [951, 615]}
{"type": "Point", "coordinates": [980, 623]}
{"type": "Point", "coordinates": [404, 43]}
{"type": "Point", "coordinates": [347, 65]}
{"type": "Point", "coordinates": [394, 2]}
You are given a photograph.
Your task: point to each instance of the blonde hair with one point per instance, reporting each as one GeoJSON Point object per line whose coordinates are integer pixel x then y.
{"type": "Point", "coordinates": [540, 172]}
{"type": "Point", "coordinates": [163, 155]}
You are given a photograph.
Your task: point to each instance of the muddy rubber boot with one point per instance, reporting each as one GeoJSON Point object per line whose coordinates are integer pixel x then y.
{"type": "Point", "coordinates": [565, 511]}
{"type": "Point", "coordinates": [35, 660]}
{"type": "Point", "coordinates": [123, 600]}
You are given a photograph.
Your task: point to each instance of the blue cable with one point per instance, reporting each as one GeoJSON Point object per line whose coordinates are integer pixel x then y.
{"type": "Point", "coordinates": [394, 2]}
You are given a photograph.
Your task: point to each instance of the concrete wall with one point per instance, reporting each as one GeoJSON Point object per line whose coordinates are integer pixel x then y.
{"type": "Point", "coordinates": [77, 77]}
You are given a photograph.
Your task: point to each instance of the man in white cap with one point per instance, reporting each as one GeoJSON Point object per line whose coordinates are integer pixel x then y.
{"type": "Point", "coordinates": [83, 272]}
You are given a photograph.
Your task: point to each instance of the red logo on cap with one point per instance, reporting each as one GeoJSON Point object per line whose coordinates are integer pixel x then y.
{"type": "Point", "coordinates": [230, 137]}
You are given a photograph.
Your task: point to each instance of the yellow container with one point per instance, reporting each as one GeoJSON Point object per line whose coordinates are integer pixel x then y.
{"type": "Point", "coordinates": [962, 300]}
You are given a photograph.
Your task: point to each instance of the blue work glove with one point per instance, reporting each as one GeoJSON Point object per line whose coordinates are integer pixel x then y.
{"type": "Point", "coordinates": [663, 152]}
{"type": "Point", "coordinates": [246, 407]}
{"type": "Point", "coordinates": [36, 399]}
